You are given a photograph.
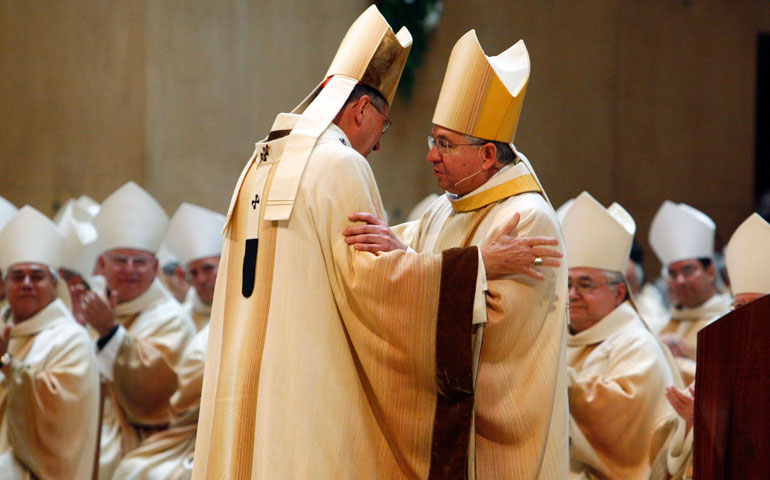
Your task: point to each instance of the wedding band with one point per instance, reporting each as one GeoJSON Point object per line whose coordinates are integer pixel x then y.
{"type": "Point", "coordinates": [538, 262]}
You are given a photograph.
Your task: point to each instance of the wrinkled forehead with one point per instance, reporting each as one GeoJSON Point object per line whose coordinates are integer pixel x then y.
{"type": "Point", "coordinates": [585, 273]}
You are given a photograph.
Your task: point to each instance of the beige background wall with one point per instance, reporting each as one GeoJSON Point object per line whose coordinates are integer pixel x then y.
{"type": "Point", "coordinates": [634, 101]}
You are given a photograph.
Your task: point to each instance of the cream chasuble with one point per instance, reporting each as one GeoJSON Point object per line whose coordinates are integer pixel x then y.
{"type": "Point", "coordinates": [168, 455]}
{"type": "Point", "coordinates": [137, 367]}
{"type": "Point", "coordinates": [49, 404]}
{"type": "Point", "coordinates": [687, 322]}
{"type": "Point", "coordinates": [322, 359]}
{"type": "Point", "coordinates": [618, 372]}
{"type": "Point", "coordinates": [521, 418]}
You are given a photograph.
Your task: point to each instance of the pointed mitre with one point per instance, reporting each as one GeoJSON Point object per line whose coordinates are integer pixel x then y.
{"type": "Point", "coordinates": [747, 256]}
{"type": "Point", "coordinates": [372, 54]}
{"type": "Point", "coordinates": [81, 248]}
{"type": "Point", "coordinates": [195, 232]}
{"type": "Point", "coordinates": [597, 237]}
{"type": "Point", "coordinates": [680, 232]}
{"type": "Point", "coordinates": [7, 211]}
{"type": "Point", "coordinates": [482, 96]}
{"type": "Point", "coordinates": [561, 212]}
{"type": "Point", "coordinates": [30, 237]}
{"type": "Point", "coordinates": [131, 218]}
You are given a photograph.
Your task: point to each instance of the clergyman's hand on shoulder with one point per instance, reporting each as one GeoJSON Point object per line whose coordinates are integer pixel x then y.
{"type": "Point", "coordinates": [372, 236]}
{"type": "Point", "coordinates": [507, 254]}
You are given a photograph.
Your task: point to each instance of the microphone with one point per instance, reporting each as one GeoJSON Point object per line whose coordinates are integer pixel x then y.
{"type": "Point", "coordinates": [468, 177]}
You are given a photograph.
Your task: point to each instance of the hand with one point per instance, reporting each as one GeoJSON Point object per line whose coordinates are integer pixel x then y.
{"type": "Point", "coordinates": [100, 315]}
{"type": "Point", "coordinates": [5, 338]}
{"type": "Point", "coordinates": [507, 254]}
{"type": "Point", "coordinates": [683, 402]}
{"type": "Point", "coordinates": [373, 236]}
{"type": "Point", "coordinates": [677, 345]}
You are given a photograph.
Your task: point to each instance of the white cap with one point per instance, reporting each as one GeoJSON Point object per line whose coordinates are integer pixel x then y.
{"type": "Point", "coordinates": [597, 237]}
{"type": "Point", "coordinates": [131, 218]}
{"type": "Point", "coordinates": [680, 232]}
{"type": "Point", "coordinates": [195, 232]}
{"type": "Point", "coordinates": [165, 256]}
{"type": "Point", "coordinates": [30, 237]}
{"type": "Point", "coordinates": [80, 239]}
{"type": "Point", "coordinates": [7, 211]}
{"type": "Point", "coordinates": [747, 256]}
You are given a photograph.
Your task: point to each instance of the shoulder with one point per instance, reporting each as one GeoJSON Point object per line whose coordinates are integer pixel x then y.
{"type": "Point", "coordinates": [537, 216]}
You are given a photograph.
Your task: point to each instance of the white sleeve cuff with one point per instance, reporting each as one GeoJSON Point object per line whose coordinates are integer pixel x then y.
{"type": "Point", "coordinates": [105, 358]}
{"type": "Point", "coordinates": [480, 297]}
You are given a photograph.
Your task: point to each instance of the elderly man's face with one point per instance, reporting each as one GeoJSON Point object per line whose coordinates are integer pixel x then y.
{"type": "Point", "coordinates": [690, 284]}
{"type": "Point", "coordinates": [457, 166]}
{"type": "Point", "coordinates": [30, 287]}
{"type": "Point", "coordinates": [591, 297]}
{"type": "Point", "coordinates": [128, 272]}
{"type": "Point", "coordinates": [202, 275]}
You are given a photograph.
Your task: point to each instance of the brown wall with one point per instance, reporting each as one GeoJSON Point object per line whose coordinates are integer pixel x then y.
{"type": "Point", "coordinates": [635, 102]}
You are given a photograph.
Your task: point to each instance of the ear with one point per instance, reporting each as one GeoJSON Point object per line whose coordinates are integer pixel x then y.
{"type": "Point", "coordinates": [358, 109]}
{"type": "Point", "coordinates": [488, 153]}
{"type": "Point", "coordinates": [620, 293]}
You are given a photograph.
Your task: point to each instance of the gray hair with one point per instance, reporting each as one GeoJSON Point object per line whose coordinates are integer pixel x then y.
{"type": "Point", "coordinates": [505, 154]}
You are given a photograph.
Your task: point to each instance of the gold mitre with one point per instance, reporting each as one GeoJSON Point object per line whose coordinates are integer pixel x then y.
{"type": "Point", "coordinates": [482, 96]}
{"type": "Point", "coordinates": [372, 54]}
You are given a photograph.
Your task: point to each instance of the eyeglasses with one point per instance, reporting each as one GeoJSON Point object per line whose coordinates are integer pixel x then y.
{"type": "Point", "coordinates": [587, 286]}
{"type": "Point", "coordinates": [139, 262]}
{"type": "Point", "coordinates": [387, 124]}
{"type": "Point", "coordinates": [445, 146]}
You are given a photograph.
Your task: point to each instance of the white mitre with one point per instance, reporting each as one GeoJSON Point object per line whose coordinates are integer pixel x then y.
{"type": "Point", "coordinates": [561, 212]}
{"type": "Point", "coordinates": [7, 211]}
{"type": "Point", "coordinates": [680, 232]}
{"type": "Point", "coordinates": [195, 232]}
{"type": "Point", "coordinates": [597, 237]}
{"type": "Point", "coordinates": [80, 239]}
{"type": "Point", "coordinates": [30, 237]}
{"type": "Point", "coordinates": [747, 256]}
{"type": "Point", "coordinates": [131, 218]}
{"type": "Point", "coordinates": [84, 203]}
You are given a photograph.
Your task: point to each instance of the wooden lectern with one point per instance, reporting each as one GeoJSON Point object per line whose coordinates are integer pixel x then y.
{"type": "Point", "coordinates": [732, 396]}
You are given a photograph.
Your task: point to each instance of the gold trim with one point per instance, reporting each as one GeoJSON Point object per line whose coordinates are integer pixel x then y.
{"type": "Point", "coordinates": [522, 184]}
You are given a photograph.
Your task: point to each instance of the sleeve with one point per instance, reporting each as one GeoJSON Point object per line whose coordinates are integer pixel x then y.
{"type": "Point", "coordinates": [52, 411]}
{"type": "Point", "coordinates": [409, 315]}
{"type": "Point", "coordinates": [144, 367]}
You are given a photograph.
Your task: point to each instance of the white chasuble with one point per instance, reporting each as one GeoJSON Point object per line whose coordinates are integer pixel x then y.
{"type": "Point", "coordinates": [138, 370]}
{"type": "Point", "coordinates": [49, 404]}
{"type": "Point", "coordinates": [521, 419]}
{"type": "Point", "coordinates": [168, 455]}
{"type": "Point", "coordinates": [618, 372]}
{"type": "Point", "coordinates": [322, 359]}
